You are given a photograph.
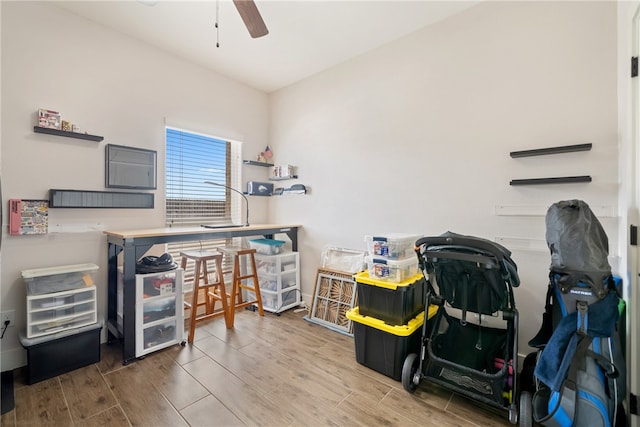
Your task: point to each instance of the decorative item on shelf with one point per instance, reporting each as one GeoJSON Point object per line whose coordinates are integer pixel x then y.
{"type": "Point", "coordinates": [67, 126]}
{"type": "Point", "coordinates": [295, 189]}
{"type": "Point", "coordinates": [282, 172]}
{"type": "Point", "coordinates": [48, 119]}
{"type": "Point", "coordinates": [28, 216]}
{"type": "Point", "coordinates": [265, 156]}
{"type": "Point", "coordinates": [267, 153]}
{"type": "Point", "coordinates": [255, 188]}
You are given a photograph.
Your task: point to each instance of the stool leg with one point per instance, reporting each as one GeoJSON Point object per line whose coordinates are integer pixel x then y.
{"type": "Point", "coordinates": [228, 320]}
{"type": "Point", "coordinates": [205, 279]}
{"type": "Point", "coordinates": [256, 284]}
{"type": "Point", "coordinates": [237, 277]}
{"type": "Point", "coordinates": [194, 302]}
{"type": "Point", "coordinates": [238, 285]}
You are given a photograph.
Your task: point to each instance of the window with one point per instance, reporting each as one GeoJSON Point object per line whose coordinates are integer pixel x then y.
{"type": "Point", "coordinates": [192, 159]}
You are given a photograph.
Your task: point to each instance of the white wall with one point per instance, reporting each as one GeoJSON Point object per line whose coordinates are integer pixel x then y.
{"type": "Point", "coordinates": [415, 136]}
{"type": "Point", "coordinates": [113, 86]}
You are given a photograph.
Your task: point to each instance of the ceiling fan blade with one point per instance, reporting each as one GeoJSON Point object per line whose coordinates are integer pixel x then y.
{"type": "Point", "coordinates": [251, 16]}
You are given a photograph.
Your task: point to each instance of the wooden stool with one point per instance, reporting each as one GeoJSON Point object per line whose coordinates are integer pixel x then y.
{"type": "Point", "coordinates": [241, 281]}
{"type": "Point", "coordinates": [212, 290]}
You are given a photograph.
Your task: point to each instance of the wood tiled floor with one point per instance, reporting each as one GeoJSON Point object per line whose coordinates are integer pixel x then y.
{"type": "Point", "coordinates": [267, 371]}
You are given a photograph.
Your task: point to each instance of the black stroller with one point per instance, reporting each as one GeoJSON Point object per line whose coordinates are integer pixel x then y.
{"type": "Point", "coordinates": [577, 378]}
{"type": "Point", "coordinates": [470, 345]}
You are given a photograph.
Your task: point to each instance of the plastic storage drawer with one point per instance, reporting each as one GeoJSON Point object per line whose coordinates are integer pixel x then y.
{"type": "Point", "coordinates": [383, 347]}
{"type": "Point", "coordinates": [58, 279]}
{"type": "Point", "coordinates": [52, 313]}
{"type": "Point", "coordinates": [393, 303]}
{"type": "Point", "coordinates": [392, 270]}
{"type": "Point", "coordinates": [159, 310]}
{"type": "Point", "coordinates": [275, 264]}
{"type": "Point", "coordinates": [276, 302]}
{"type": "Point", "coordinates": [392, 246]}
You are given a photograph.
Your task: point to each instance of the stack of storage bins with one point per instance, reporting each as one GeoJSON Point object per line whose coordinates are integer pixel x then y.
{"type": "Point", "coordinates": [390, 313]}
{"type": "Point", "coordinates": [62, 330]}
{"type": "Point", "coordinates": [278, 275]}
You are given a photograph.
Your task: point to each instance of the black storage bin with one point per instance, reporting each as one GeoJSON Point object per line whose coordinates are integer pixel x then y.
{"type": "Point", "coordinates": [56, 354]}
{"type": "Point", "coordinates": [394, 303]}
{"type": "Point", "coordinates": [382, 347]}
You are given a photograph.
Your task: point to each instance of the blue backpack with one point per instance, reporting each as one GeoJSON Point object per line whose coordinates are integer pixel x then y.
{"type": "Point", "coordinates": [581, 369]}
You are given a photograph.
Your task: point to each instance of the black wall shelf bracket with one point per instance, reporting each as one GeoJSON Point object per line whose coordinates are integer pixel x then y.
{"type": "Point", "coordinates": [551, 150]}
{"type": "Point", "coordinates": [77, 135]}
{"type": "Point", "coordinates": [557, 180]}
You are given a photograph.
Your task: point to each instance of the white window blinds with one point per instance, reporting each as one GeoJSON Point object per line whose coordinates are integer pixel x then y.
{"type": "Point", "coordinates": [192, 159]}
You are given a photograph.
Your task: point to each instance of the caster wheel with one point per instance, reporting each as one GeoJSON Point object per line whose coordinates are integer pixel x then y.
{"type": "Point", "coordinates": [526, 409]}
{"type": "Point", "coordinates": [410, 376]}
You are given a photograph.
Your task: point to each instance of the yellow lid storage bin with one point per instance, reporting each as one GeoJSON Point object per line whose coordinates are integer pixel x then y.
{"type": "Point", "coordinates": [383, 347]}
{"type": "Point", "coordinates": [392, 302]}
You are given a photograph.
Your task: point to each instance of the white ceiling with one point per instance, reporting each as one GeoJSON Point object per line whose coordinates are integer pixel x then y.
{"type": "Point", "coordinates": [305, 36]}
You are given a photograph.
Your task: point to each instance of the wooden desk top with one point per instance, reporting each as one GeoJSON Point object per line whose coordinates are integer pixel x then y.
{"type": "Point", "coordinates": [177, 231]}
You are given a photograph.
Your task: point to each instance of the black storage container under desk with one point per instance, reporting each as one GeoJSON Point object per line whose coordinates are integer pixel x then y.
{"type": "Point", "coordinates": [56, 354]}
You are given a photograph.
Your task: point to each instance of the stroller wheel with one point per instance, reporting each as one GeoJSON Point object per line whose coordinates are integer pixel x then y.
{"type": "Point", "coordinates": [526, 409]}
{"type": "Point", "coordinates": [410, 376]}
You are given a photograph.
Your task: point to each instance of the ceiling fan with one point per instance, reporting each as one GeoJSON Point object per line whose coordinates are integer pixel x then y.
{"type": "Point", "coordinates": [248, 12]}
{"type": "Point", "coordinates": [251, 17]}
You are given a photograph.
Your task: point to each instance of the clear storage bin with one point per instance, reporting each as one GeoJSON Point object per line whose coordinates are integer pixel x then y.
{"type": "Point", "coordinates": [392, 270]}
{"type": "Point", "coordinates": [392, 245]}
{"type": "Point", "coordinates": [57, 279]}
{"type": "Point", "coordinates": [267, 246]}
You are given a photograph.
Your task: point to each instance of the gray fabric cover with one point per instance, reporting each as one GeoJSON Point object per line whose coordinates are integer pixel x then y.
{"type": "Point", "coordinates": [579, 245]}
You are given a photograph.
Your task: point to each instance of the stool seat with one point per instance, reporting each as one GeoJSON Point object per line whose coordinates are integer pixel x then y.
{"type": "Point", "coordinates": [243, 281]}
{"type": "Point", "coordinates": [213, 290]}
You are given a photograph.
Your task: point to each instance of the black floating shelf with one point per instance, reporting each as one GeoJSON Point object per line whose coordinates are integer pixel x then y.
{"type": "Point", "coordinates": [99, 199]}
{"type": "Point", "coordinates": [254, 163]}
{"type": "Point", "coordinates": [551, 150]}
{"type": "Point", "coordinates": [58, 132]}
{"type": "Point", "coordinates": [558, 180]}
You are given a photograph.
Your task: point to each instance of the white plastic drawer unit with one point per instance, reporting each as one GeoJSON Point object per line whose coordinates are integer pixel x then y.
{"type": "Point", "coordinates": [279, 280]}
{"type": "Point", "coordinates": [159, 311]}
{"type": "Point", "coordinates": [275, 264]}
{"type": "Point", "coordinates": [54, 312]}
